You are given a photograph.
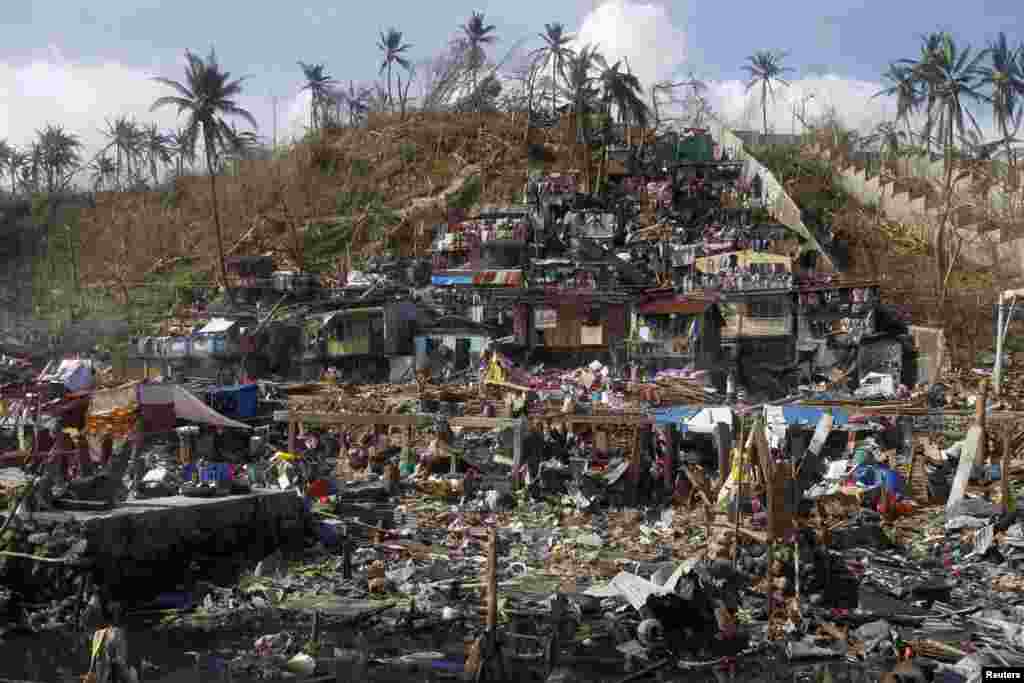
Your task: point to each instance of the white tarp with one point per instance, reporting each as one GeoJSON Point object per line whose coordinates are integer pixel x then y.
{"type": "Point", "coordinates": [217, 325]}
{"type": "Point", "coordinates": [186, 405]}
{"type": "Point", "coordinates": [76, 375]}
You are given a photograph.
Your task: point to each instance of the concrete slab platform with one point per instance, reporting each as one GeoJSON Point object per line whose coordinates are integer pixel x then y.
{"type": "Point", "coordinates": [154, 539]}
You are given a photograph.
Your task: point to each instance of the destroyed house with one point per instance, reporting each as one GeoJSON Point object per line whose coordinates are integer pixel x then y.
{"type": "Point", "coordinates": [451, 345]}
{"type": "Point", "coordinates": [676, 331]}
{"type": "Point", "coordinates": [380, 330]}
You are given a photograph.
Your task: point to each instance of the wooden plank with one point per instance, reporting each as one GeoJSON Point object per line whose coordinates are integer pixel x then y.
{"type": "Point", "coordinates": [484, 422]}
{"type": "Point", "coordinates": [348, 419]}
{"type": "Point", "coordinates": [617, 420]}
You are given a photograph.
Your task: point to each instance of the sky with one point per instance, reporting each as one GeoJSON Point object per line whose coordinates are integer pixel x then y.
{"type": "Point", "coordinates": [79, 64]}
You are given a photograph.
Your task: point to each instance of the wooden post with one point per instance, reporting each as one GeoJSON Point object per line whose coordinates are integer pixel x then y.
{"type": "Point", "coordinates": [293, 437]}
{"type": "Point", "coordinates": [492, 581]}
{"type": "Point", "coordinates": [517, 453]}
{"type": "Point", "coordinates": [634, 468]}
{"type": "Point", "coordinates": [979, 419]}
{"type": "Point", "coordinates": [1004, 468]}
{"type": "Point", "coordinates": [600, 440]}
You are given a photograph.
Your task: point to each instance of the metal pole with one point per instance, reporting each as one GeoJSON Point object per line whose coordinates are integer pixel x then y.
{"type": "Point", "coordinates": [997, 372]}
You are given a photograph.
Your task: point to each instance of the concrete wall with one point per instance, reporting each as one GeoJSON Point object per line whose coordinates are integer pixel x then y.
{"type": "Point", "coordinates": [986, 251]}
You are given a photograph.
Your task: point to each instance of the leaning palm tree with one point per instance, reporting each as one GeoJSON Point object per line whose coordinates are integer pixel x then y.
{"type": "Point", "coordinates": [907, 90]}
{"type": "Point", "coordinates": [392, 46]}
{"type": "Point", "coordinates": [1005, 80]}
{"type": "Point", "coordinates": [478, 34]}
{"type": "Point", "coordinates": [318, 83]}
{"type": "Point", "coordinates": [766, 70]}
{"type": "Point", "coordinates": [555, 50]}
{"type": "Point", "coordinates": [208, 95]}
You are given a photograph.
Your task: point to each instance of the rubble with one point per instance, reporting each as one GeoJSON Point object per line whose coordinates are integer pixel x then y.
{"type": "Point", "coordinates": [630, 433]}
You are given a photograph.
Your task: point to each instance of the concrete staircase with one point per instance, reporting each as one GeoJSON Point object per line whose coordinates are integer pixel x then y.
{"type": "Point", "coordinates": [911, 201]}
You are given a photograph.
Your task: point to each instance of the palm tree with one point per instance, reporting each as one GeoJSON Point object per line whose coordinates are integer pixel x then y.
{"type": "Point", "coordinates": [478, 33]}
{"type": "Point", "coordinates": [59, 153]}
{"type": "Point", "coordinates": [907, 90]}
{"type": "Point", "coordinates": [208, 95]}
{"type": "Point", "coordinates": [580, 87]}
{"type": "Point", "coordinates": [954, 76]}
{"type": "Point", "coordinates": [184, 152]}
{"type": "Point", "coordinates": [15, 163]}
{"type": "Point", "coordinates": [1005, 79]}
{"type": "Point", "coordinates": [766, 70]}
{"type": "Point", "coordinates": [555, 50]}
{"type": "Point", "coordinates": [156, 148]}
{"type": "Point", "coordinates": [318, 83]}
{"type": "Point", "coordinates": [126, 139]}
{"type": "Point", "coordinates": [103, 168]}
{"type": "Point", "coordinates": [889, 139]}
{"type": "Point", "coordinates": [355, 100]}
{"type": "Point", "coordinates": [625, 91]}
{"type": "Point", "coordinates": [392, 46]}
{"type": "Point", "coordinates": [6, 152]}
{"type": "Point", "coordinates": [922, 71]}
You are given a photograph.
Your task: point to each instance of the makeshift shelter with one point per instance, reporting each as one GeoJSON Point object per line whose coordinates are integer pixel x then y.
{"type": "Point", "coordinates": [163, 404]}
{"type": "Point", "coordinates": [75, 375]}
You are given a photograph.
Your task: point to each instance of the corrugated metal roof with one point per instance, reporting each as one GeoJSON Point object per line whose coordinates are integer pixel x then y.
{"type": "Point", "coordinates": [682, 305]}
{"type": "Point", "coordinates": [217, 325]}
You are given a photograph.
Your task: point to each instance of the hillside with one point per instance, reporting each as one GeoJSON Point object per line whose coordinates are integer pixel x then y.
{"type": "Point", "coordinates": [360, 188]}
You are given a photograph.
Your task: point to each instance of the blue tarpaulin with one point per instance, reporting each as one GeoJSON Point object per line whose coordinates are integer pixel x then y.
{"type": "Point", "coordinates": [677, 415]}
{"type": "Point", "coordinates": [442, 280]}
{"type": "Point", "coordinates": [794, 415]}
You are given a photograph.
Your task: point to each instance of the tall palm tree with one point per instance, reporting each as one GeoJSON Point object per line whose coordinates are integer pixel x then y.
{"type": "Point", "coordinates": [922, 72]}
{"type": "Point", "coordinates": [478, 34]}
{"type": "Point", "coordinates": [6, 151]}
{"type": "Point", "coordinates": [1005, 80]}
{"type": "Point", "coordinates": [60, 156]}
{"type": "Point", "coordinates": [766, 70]}
{"type": "Point", "coordinates": [355, 100]}
{"type": "Point", "coordinates": [954, 75]}
{"type": "Point", "coordinates": [208, 95]}
{"type": "Point", "coordinates": [103, 169]}
{"type": "Point", "coordinates": [907, 90]}
{"type": "Point", "coordinates": [581, 89]}
{"type": "Point", "coordinates": [15, 163]}
{"type": "Point", "coordinates": [623, 90]}
{"type": "Point", "coordinates": [157, 150]}
{"type": "Point", "coordinates": [392, 46]}
{"type": "Point", "coordinates": [555, 50]}
{"type": "Point", "coordinates": [126, 140]}
{"type": "Point", "coordinates": [184, 153]}
{"type": "Point", "coordinates": [318, 83]}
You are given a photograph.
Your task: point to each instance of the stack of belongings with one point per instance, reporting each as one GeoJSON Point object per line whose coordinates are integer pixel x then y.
{"type": "Point", "coordinates": [113, 411]}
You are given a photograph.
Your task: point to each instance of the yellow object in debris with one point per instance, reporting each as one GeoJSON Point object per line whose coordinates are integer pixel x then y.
{"type": "Point", "coordinates": [3, 408]}
{"type": "Point", "coordinates": [287, 457]}
{"type": "Point", "coordinates": [495, 373]}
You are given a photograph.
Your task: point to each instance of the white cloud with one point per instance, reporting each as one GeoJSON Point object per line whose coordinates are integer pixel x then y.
{"type": "Point", "coordinates": [638, 32]}
{"type": "Point", "coordinates": [82, 97]}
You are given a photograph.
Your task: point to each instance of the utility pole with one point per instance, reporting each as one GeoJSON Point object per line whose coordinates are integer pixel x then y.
{"type": "Point", "coordinates": [275, 121]}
